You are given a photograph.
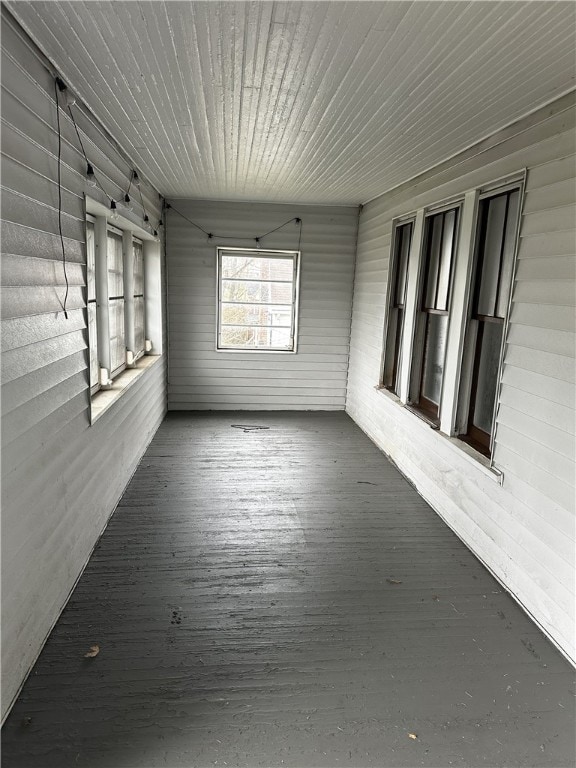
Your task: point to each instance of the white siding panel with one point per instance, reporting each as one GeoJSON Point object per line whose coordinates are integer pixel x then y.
{"type": "Point", "coordinates": [555, 366]}
{"type": "Point", "coordinates": [540, 268]}
{"type": "Point", "coordinates": [27, 388]}
{"type": "Point", "coordinates": [524, 528]}
{"type": "Point", "coordinates": [29, 241]}
{"type": "Point", "coordinates": [17, 363]}
{"type": "Point", "coordinates": [538, 408]}
{"type": "Point", "coordinates": [20, 331]}
{"type": "Point", "coordinates": [549, 220]}
{"type": "Point", "coordinates": [61, 477]}
{"type": "Point", "coordinates": [17, 270]}
{"type": "Point", "coordinates": [551, 291]}
{"type": "Point", "coordinates": [544, 316]}
{"type": "Point", "coordinates": [559, 342]}
{"type": "Point", "coordinates": [553, 172]}
{"type": "Point", "coordinates": [553, 195]}
{"type": "Point", "coordinates": [201, 377]}
{"type": "Point", "coordinates": [544, 387]}
{"type": "Point", "coordinates": [23, 301]}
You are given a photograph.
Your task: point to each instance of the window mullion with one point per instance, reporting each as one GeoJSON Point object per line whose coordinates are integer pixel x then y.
{"type": "Point", "coordinates": [408, 332]}
{"type": "Point", "coordinates": [463, 264]}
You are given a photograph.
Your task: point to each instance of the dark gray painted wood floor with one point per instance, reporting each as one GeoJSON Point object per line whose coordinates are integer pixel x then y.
{"type": "Point", "coordinates": [283, 597]}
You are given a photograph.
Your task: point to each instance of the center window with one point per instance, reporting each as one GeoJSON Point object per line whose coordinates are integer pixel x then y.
{"type": "Point", "coordinates": [432, 323]}
{"type": "Point", "coordinates": [257, 299]}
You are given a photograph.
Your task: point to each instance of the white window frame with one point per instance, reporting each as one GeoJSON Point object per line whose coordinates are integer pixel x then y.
{"type": "Point", "coordinates": [455, 382]}
{"type": "Point", "coordinates": [390, 373]}
{"type": "Point", "coordinates": [463, 392]}
{"type": "Point", "coordinates": [103, 296]}
{"type": "Point", "coordinates": [264, 254]}
{"type": "Point", "coordinates": [139, 350]}
{"type": "Point", "coordinates": [92, 339]}
{"type": "Point", "coordinates": [416, 361]}
{"type": "Point", "coordinates": [133, 353]}
{"type": "Point", "coordinates": [111, 384]}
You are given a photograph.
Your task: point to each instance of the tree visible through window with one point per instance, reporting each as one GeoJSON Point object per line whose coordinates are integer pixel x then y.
{"type": "Point", "coordinates": [257, 299]}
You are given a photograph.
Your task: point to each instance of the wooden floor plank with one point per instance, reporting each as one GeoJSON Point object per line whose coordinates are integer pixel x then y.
{"type": "Point", "coordinates": [284, 597]}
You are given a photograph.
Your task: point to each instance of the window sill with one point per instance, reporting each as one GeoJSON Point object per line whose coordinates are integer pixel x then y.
{"type": "Point", "coordinates": [104, 398]}
{"type": "Point", "coordinates": [479, 461]}
{"type": "Point", "coordinates": [423, 416]}
{"type": "Point", "coordinates": [389, 394]}
{"type": "Point", "coordinates": [255, 351]}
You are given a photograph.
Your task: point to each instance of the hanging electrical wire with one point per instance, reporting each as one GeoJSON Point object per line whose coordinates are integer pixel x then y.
{"type": "Point", "coordinates": [136, 181]}
{"type": "Point", "coordinates": [93, 179]}
{"type": "Point", "coordinates": [211, 235]}
{"type": "Point", "coordinates": [59, 86]}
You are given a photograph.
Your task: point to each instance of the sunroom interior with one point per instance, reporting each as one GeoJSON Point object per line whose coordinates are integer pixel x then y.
{"type": "Point", "coordinates": [288, 288]}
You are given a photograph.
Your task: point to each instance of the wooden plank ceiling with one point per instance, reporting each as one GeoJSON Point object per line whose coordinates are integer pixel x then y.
{"type": "Point", "coordinates": [326, 102]}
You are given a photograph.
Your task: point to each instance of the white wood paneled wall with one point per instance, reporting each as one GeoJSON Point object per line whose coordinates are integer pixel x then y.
{"type": "Point", "coordinates": [314, 377]}
{"type": "Point", "coordinates": [524, 529]}
{"type": "Point", "coordinates": [61, 477]}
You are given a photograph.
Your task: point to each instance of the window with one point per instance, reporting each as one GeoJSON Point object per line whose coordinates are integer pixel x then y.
{"type": "Point", "coordinates": [138, 345]}
{"type": "Point", "coordinates": [397, 309]}
{"type": "Point", "coordinates": [440, 232]}
{"type": "Point", "coordinates": [123, 279]}
{"type": "Point", "coordinates": [257, 300]}
{"type": "Point", "coordinates": [115, 267]}
{"type": "Point", "coordinates": [91, 287]}
{"type": "Point", "coordinates": [495, 248]}
{"type": "Point", "coordinates": [451, 276]}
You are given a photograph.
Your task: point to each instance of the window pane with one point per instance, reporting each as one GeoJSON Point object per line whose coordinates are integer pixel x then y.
{"type": "Point", "coordinates": [448, 237]}
{"type": "Point", "coordinates": [115, 268]}
{"type": "Point", "coordinates": [138, 325]}
{"type": "Point", "coordinates": [279, 338]}
{"type": "Point", "coordinates": [138, 268]}
{"type": "Point", "coordinates": [238, 337]}
{"type": "Point", "coordinates": [90, 261]}
{"type": "Point", "coordinates": [490, 342]}
{"type": "Point", "coordinates": [433, 246]}
{"type": "Point", "coordinates": [493, 218]}
{"type": "Point", "coordinates": [268, 293]}
{"type": "Point", "coordinates": [508, 253]}
{"type": "Point", "coordinates": [434, 354]}
{"type": "Point", "coordinates": [403, 241]}
{"type": "Point", "coordinates": [117, 344]}
{"type": "Point", "coordinates": [257, 267]}
{"type": "Point", "coordinates": [397, 351]}
{"type": "Point", "coordinates": [93, 339]}
{"type": "Point", "coordinates": [256, 314]}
